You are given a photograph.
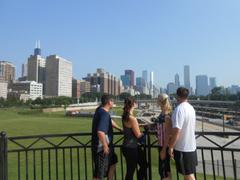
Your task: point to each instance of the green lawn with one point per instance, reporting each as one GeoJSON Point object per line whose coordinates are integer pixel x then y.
{"type": "Point", "coordinates": [19, 122]}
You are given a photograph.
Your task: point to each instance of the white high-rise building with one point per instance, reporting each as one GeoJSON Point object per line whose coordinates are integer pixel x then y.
{"type": "Point", "coordinates": [3, 89]}
{"type": "Point", "coordinates": [151, 83]}
{"type": "Point", "coordinates": [58, 76]}
{"type": "Point", "coordinates": [202, 85]}
{"type": "Point", "coordinates": [30, 88]}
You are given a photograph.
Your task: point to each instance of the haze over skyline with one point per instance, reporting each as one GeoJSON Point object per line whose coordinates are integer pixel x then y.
{"type": "Point", "coordinates": [159, 36]}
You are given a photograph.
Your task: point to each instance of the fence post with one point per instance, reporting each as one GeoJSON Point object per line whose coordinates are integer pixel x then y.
{"type": "Point", "coordinates": [149, 155]}
{"type": "Point", "coordinates": [3, 157]}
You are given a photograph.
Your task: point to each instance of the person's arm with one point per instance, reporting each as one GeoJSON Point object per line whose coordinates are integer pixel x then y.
{"type": "Point", "coordinates": [116, 126]}
{"type": "Point", "coordinates": [102, 138]}
{"type": "Point", "coordinates": [135, 127]}
{"type": "Point", "coordinates": [174, 137]}
{"type": "Point", "coordinates": [177, 124]}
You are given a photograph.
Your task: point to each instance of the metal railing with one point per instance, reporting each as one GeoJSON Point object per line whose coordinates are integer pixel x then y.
{"type": "Point", "coordinates": [68, 156]}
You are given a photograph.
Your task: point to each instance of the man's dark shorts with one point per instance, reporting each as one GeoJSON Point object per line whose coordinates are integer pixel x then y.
{"type": "Point", "coordinates": [102, 163]}
{"type": "Point", "coordinates": [186, 162]}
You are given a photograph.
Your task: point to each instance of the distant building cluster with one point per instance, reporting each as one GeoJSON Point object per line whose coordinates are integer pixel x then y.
{"type": "Point", "coordinates": [52, 76]}
{"type": "Point", "coordinates": [104, 82]}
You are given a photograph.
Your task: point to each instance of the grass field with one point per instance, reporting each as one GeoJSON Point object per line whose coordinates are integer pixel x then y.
{"type": "Point", "coordinates": [19, 122]}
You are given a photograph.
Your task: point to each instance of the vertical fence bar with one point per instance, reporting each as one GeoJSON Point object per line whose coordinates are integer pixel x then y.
{"type": "Point", "coordinates": [49, 164]}
{"type": "Point", "coordinates": [78, 163]}
{"type": "Point", "coordinates": [85, 163]}
{"type": "Point", "coordinates": [223, 165]}
{"type": "Point", "coordinates": [71, 163]}
{"type": "Point", "coordinates": [19, 165]}
{"type": "Point", "coordinates": [3, 157]}
{"type": "Point", "coordinates": [149, 156]}
{"type": "Point", "coordinates": [121, 160]}
{"type": "Point", "coordinates": [34, 165]}
{"type": "Point", "coordinates": [56, 162]}
{"type": "Point", "coordinates": [64, 165]}
{"type": "Point", "coordinates": [203, 164]}
{"type": "Point", "coordinates": [26, 160]}
{"type": "Point", "coordinates": [234, 166]}
{"type": "Point", "coordinates": [213, 165]}
{"type": "Point", "coordinates": [42, 165]}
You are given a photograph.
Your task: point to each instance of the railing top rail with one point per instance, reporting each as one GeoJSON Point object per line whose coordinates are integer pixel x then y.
{"type": "Point", "coordinates": [214, 133]}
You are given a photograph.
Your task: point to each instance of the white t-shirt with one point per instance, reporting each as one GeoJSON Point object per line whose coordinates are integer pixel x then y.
{"type": "Point", "coordinates": [184, 118]}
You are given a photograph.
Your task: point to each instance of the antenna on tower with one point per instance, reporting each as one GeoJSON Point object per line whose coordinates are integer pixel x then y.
{"type": "Point", "coordinates": [37, 50]}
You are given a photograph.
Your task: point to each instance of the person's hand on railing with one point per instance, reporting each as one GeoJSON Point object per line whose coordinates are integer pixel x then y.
{"type": "Point", "coordinates": [142, 139]}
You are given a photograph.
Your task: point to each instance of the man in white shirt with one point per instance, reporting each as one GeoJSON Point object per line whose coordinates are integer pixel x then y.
{"type": "Point", "coordinates": [182, 145]}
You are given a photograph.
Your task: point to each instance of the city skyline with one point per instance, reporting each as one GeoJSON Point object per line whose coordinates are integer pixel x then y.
{"type": "Point", "coordinates": [159, 36]}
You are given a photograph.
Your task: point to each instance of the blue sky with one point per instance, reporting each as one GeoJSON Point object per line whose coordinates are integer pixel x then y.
{"type": "Point", "coordinates": [156, 35]}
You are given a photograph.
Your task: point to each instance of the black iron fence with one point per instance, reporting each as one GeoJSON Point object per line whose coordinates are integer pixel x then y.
{"type": "Point", "coordinates": [68, 156]}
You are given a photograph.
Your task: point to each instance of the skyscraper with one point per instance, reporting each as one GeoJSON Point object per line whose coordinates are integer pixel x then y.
{"type": "Point", "coordinates": [151, 84]}
{"type": "Point", "coordinates": [202, 85]}
{"type": "Point", "coordinates": [24, 70]}
{"type": "Point", "coordinates": [59, 76]}
{"type": "Point", "coordinates": [36, 67]}
{"type": "Point", "coordinates": [171, 88]}
{"type": "Point", "coordinates": [212, 83]}
{"type": "Point", "coordinates": [177, 81]}
{"type": "Point", "coordinates": [139, 85]}
{"type": "Point", "coordinates": [145, 78]}
{"type": "Point", "coordinates": [37, 50]}
{"type": "Point", "coordinates": [131, 73]}
{"type": "Point", "coordinates": [125, 81]}
{"type": "Point", "coordinates": [7, 71]}
{"type": "Point", "coordinates": [187, 77]}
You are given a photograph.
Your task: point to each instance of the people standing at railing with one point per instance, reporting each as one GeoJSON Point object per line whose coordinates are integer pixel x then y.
{"type": "Point", "coordinates": [132, 152]}
{"type": "Point", "coordinates": [182, 144]}
{"type": "Point", "coordinates": [163, 126]}
{"type": "Point", "coordinates": [104, 157]}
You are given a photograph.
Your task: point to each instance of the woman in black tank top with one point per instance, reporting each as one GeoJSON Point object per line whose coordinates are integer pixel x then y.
{"type": "Point", "coordinates": [132, 152]}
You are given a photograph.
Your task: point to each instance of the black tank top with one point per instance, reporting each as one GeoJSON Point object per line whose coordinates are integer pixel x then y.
{"type": "Point", "coordinates": [130, 140]}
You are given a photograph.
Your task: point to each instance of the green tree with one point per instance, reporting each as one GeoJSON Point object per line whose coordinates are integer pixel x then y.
{"type": "Point", "coordinates": [124, 95]}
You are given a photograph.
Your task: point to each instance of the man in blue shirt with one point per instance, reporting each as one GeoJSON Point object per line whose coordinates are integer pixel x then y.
{"type": "Point", "coordinates": [102, 140]}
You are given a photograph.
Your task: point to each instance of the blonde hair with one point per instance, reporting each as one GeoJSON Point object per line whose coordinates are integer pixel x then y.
{"type": "Point", "coordinates": [164, 103]}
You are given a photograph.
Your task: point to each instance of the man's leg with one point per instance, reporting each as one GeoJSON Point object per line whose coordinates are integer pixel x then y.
{"type": "Point", "coordinates": [189, 177]}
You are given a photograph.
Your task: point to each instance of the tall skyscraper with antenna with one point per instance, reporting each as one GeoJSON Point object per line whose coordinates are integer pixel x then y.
{"type": "Point", "coordinates": [37, 50]}
{"type": "Point", "coordinates": [36, 66]}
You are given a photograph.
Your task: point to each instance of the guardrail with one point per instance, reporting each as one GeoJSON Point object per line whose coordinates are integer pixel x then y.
{"type": "Point", "coordinates": [68, 156]}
